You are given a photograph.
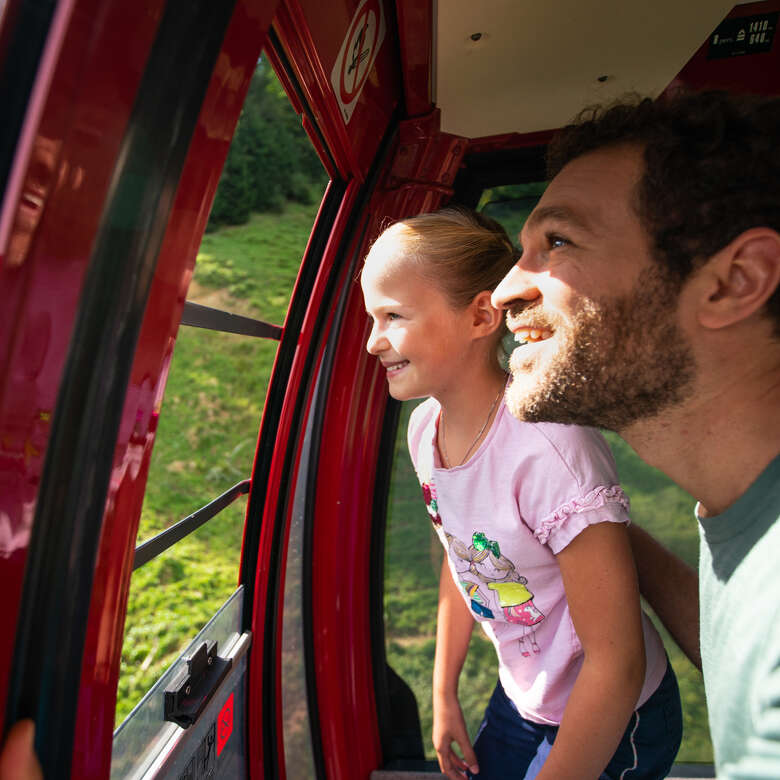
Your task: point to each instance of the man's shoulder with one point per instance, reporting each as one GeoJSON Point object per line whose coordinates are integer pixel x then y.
{"type": "Point", "coordinates": [740, 645]}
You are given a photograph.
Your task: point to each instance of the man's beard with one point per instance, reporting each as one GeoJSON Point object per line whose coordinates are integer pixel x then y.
{"type": "Point", "coordinates": [620, 360]}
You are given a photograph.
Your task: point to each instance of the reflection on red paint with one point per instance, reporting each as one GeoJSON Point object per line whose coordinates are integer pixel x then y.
{"type": "Point", "coordinates": [224, 724]}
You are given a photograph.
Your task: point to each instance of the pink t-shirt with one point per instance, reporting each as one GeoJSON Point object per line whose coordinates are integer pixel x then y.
{"type": "Point", "coordinates": [502, 516]}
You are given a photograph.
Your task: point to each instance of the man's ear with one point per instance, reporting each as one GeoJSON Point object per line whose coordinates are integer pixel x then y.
{"type": "Point", "coordinates": [739, 279]}
{"type": "Point", "coordinates": [486, 318]}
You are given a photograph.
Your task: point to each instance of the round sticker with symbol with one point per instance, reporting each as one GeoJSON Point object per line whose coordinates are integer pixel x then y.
{"type": "Point", "coordinates": [357, 54]}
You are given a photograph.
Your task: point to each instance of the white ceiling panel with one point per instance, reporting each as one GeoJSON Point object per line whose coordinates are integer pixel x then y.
{"type": "Point", "coordinates": [536, 64]}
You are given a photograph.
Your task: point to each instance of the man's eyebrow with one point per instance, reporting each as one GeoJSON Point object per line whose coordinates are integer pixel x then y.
{"type": "Point", "coordinates": [559, 213]}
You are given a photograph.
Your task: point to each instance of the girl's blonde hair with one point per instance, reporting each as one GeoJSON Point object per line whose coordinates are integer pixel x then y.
{"type": "Point", "coordinates": [458, 250]}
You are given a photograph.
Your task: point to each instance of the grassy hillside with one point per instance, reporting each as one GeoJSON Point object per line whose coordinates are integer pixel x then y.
{"type": "Point", "coordinates": [206, 440]}
{"type": "Point", "coordinates": [208, 426]}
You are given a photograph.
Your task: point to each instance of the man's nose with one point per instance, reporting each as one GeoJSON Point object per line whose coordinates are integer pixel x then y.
{"type": "Point", "coordinates": [518, 284]}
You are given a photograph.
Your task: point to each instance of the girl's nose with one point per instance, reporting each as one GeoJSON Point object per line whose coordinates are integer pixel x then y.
{"type": "Point", "coordinates": [518, 285]}
{"type": "Point", "coordinates": [374, 345]}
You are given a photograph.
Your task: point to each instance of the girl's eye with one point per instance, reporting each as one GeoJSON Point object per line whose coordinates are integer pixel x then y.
{"type": "Point", "coordinates": [393, 316]}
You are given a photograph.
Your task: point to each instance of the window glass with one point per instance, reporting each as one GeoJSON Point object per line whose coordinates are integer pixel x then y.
{"type": "Point", "coordinates": [510, 205]}
{"type": "Point", "coordinates": [247, 264]}
{"type": "Point", "coordinates": [296, 727]}
{"type": "Point", "coordinates": [413, 557]}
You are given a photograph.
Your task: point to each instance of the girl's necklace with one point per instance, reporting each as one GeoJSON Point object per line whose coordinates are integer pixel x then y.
{"type": "Point", "coordinates": [446, 457]}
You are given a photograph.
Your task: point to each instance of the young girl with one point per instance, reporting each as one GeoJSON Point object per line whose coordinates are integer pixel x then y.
{"type": "Point", "coordinates": [533, 521]}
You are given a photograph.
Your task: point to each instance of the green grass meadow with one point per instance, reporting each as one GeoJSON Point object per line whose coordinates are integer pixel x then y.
{"type": "Point", "coordinates": [205, 443]}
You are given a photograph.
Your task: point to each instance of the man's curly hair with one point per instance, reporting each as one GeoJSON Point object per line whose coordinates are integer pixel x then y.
{"type": "Point", "coordinates": [712, 169]}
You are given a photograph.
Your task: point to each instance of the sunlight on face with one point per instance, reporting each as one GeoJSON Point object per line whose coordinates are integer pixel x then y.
{"type": "Point", "coordinates": [621, 360]}
{"type": "Point", "coordinates": [419, 338]}
{"type": "Point", "coordinates": [608, 349]}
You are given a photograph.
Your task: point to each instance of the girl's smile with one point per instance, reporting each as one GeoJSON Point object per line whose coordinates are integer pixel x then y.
{"type": "Point", "coordinates": [394, 368]}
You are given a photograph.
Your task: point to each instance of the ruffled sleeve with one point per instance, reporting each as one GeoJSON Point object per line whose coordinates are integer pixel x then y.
{"type": "Point", "coordinates": [605, 503]}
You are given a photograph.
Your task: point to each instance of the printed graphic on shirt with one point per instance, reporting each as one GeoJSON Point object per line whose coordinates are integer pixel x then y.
{"type": "Point", "coordinates": [477, 602]}
{"type": "Point", "coordinates": [431, 504]}
{"type": "Point", "coordinates": [492, 584]}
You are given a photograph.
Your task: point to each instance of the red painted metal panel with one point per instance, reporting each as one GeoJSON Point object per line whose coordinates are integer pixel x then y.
{"type": "Point", "coordinates": [753, 73]}
{"type": "Point", "coordinates": [73, 144]}
{"type": "Point", "coordinates": [423, 168]}
{"type": "Point", "coordinates": [276, 492]}
{"type": "Point", "coordinates": [342, 533]}
{"type": "Point", "coordinates": [417, 179]}
{"type": "Point", "coordinates": [340, 610]}
{"type": "Point", "coordinates": [311, 33]}
{"type": "Point", "coordinates": [509, 141]}
{"type": "Point", "coordinates": [416, 34]}
{"type": "Point", "coordinates": [305, 58]}
{"type": "Point", "coordinates": [208, 149]}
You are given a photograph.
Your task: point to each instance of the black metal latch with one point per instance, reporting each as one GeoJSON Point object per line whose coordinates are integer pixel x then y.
{"type": "Point", "coordinates": [192, 688]}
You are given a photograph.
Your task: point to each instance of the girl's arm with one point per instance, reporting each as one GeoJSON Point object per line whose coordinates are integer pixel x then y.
{"type": "Point", "coordinates": [601, 588]}
{"type": "Point", "coordinates": [453, 632]}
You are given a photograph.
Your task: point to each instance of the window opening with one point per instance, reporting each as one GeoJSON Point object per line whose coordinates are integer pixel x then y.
{"type": "Point", "coordinates": [198, 316]}
{"type": "Point", "coordinates": [187, 559]}
{"type": "Point", "coordinates": [160, 543]}
{"type": "Point", "coordinates": [413, 556]}
{"type": "Point", "coordinates": [511, 204]}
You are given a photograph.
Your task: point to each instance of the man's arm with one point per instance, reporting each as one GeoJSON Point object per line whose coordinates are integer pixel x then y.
{"type": "Point", "coordinates": [671, 587]}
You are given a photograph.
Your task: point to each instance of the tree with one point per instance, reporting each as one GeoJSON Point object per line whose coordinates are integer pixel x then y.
{"type": "Point", "coordinates": [271, 159]}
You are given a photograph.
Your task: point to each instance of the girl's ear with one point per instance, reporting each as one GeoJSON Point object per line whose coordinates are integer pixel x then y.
{"type": "Point", "coordinates": [738, 280]}
{"type": "Point", "coordinates": [485, 318]}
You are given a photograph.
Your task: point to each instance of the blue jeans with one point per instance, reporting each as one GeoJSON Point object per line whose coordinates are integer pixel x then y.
{"type": "Point", "coordinates": [509, 746]}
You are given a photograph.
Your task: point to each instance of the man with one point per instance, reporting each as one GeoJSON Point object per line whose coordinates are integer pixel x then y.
{"type": "Point", "coordinates": [647, 301]}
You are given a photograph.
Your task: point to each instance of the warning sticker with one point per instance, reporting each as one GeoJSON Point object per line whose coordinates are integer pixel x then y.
{"type": "Point", "coordinates": [746, 35]}
{"type": "Point", "coordinates": [357, 54]}
{"type": "Point", "coordinates": [224, 724]}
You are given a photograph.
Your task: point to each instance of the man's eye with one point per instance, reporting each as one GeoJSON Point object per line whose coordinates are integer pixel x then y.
{"type": "Point", "coordinates": [556, 241]}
